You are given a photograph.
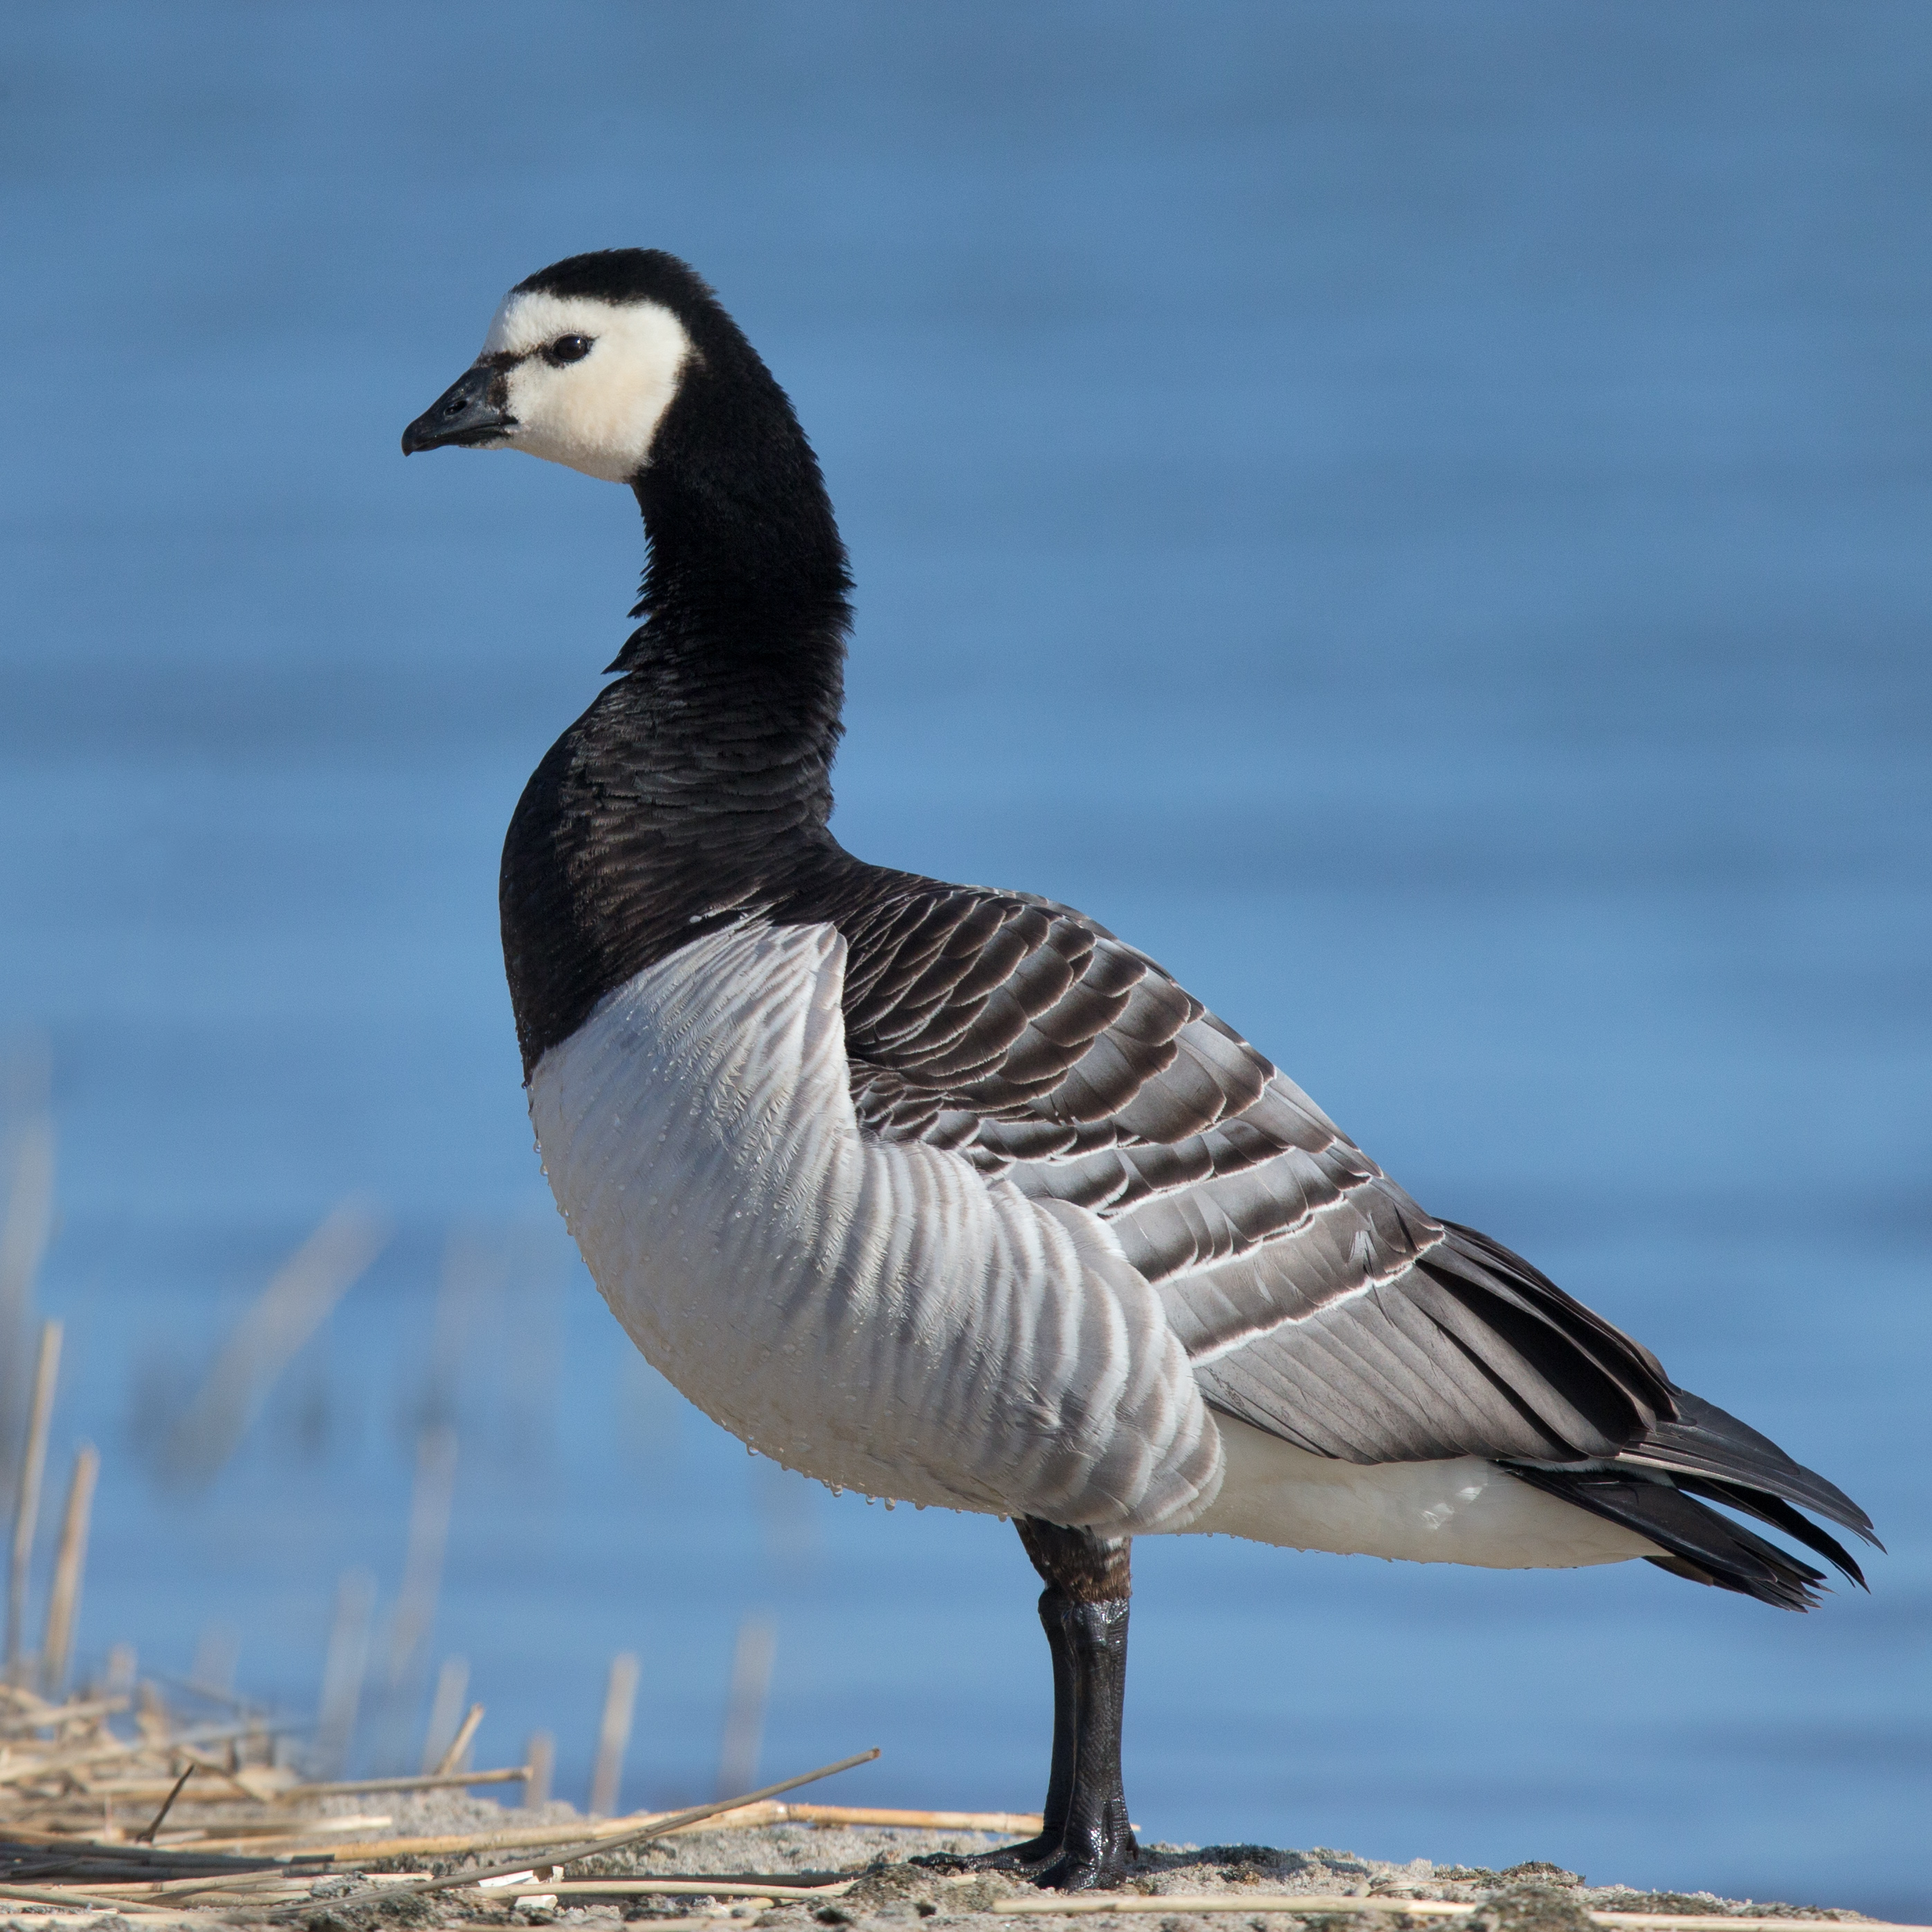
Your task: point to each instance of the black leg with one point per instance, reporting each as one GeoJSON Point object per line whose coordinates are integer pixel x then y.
{"type": "Point", "coordinates": [1085, 1839]}
{"type": "Point", "coordinates": [1055, 1618]}
{"type": "Point", "coordinates": [1090, 1576]}
{"type": "Point", "coordinates": [1096, 1842]}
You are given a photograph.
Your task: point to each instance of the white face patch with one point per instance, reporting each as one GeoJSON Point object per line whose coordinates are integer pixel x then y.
{"type": "Point", "coordinates": [598, 414]}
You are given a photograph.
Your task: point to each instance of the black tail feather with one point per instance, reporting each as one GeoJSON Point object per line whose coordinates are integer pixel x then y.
{"type": "Point", "coordinates": [1698, 1543]}
{"type": "Point", "coordinates": [1704, 1440]}
{"type": "Point", "coordinates": [1652, 1487]}
{"type": "Point", "coordinates": [1779, 1515]}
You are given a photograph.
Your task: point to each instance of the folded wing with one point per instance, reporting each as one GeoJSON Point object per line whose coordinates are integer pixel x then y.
{"type": "Point", "coordinates": [1315, 1299]}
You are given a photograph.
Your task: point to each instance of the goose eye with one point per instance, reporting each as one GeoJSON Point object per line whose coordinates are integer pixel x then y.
{"type": "Point", "coordinates": [567, 348]}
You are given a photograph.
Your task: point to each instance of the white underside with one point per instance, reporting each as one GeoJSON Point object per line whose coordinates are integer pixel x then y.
{"type": "Point", "coordinates": [1464, 1510]}
{"type": "Point", "coordinates": [880, 1316]}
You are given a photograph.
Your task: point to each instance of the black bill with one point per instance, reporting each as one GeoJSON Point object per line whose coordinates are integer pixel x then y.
{"type": "Point", "coordinates": [473, 412]}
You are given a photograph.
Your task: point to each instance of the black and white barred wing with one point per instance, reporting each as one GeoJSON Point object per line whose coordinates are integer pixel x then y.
{"type": "Point", "coordinates": [1314, 1298]}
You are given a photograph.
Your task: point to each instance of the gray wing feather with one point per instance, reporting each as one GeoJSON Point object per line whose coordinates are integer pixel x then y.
{"type": "Point", "coordinates": [1314, 1298]}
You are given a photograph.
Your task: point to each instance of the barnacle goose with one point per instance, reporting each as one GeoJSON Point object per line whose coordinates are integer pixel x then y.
{"type": "Point", "coordinates": [948, 1195]}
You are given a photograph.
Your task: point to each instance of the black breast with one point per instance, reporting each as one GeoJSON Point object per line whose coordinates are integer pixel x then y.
{"type": "Point", "coordinates": [620, 851]}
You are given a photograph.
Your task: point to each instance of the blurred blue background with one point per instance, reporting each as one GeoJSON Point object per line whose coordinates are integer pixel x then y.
{"type": "Point", "coordinates": [1416, 515]}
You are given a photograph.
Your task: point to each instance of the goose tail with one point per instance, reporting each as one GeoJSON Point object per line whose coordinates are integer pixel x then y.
{"type": "Point", "coordinates": [1662, 1487]}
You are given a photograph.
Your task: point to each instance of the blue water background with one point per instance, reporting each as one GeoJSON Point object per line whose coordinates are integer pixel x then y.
{"type": "Point", "coordinates": [1416, 515]}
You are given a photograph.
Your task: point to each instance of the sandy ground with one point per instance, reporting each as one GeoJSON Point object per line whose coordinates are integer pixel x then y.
{"type": "Point", "coordinates": [894, 1894]}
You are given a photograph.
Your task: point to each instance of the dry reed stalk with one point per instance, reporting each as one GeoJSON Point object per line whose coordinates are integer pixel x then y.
{"type": "Point", "coordinates": [432, 1496]}
{"type": "Point", "coordinates": [248, 1887]}
{"type": "Point", "coordinates": [251, 1794]}
{"type": "Point", "coordinates": [742, 1817]}
{"type": "Point", "coordinates": [475, 1271]}
{"type": "Point", "coordinates": [307, 1838]}
{"type": "Point", "coordinates": [245, 1786]}
{"type": "Point", "coordinates": [613, 1734]}
{"type": "Point", "coordinates": [211, 1898]}
{"type": "Point", "coordinates": [431, 1501]}
{"type": "Point", "coordinates": [36, 1714]}
{"type": "Point", "coordinates": [1016, 1824]}
{"type": "Point", "coordinates": [167, 1804]}
{"type": "Point", "coordinates": [295, 1303]}
{"type": "Point", "coordinates": [54, 1895]}
{"type": "Point", "coordinates": [236, 1881]}
{"type": "Point", "coordinates": [315, 1837]}
{"type": "Point", "coordinates": [434, 1780]}
{"type": "Point", "coordinates": [216, 1651]}
{"type": "Point", "coordinates": [744, 1709]}
{"type": "Point", "coordinates": [74, 1763]}
{"type": "Point", "coordinates": [445, 1712]}
{"type": "Point", "coordinates": [60, 1762]}
{"type": "Point", "coordinates": [345, 1664]}
{"type": "Point", "coordinates": [27, 1498]}
{"type": "Point", "coordinates": [152, 1718]}
{"type": "Point", "coordinates": [565, 1852]}
{"type": "Point", "coordinates": [668, 1888]}
{"type": "Point", "coordinates": [525, 1837]}
{"type": "Point", "coordinates": [540, 1754]}
{"type": "Point", "coordinates": [451, 1760]}
{"type": "Point", "coordinates": [69, 1566]}
{"type": "Point", "coordinates": [26, 1226]}
{"type": "Point", "coordinates": [150, 1891]}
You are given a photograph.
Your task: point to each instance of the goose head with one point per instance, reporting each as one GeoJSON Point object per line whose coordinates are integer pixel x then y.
{"type": "Point", "coordinates": [581, 363]}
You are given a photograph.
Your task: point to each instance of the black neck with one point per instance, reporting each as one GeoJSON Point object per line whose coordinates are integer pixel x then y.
{"type": "Point", "coordinates": [699, 781]}
{"type": "Point", "coordinates": [743, 648]}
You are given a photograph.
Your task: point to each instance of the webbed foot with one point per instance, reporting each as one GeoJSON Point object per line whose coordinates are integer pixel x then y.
{"type": "Point", "coordinates": [1095, 1858]}
{"type": "Point", "coordinates": [1029, 1854]}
